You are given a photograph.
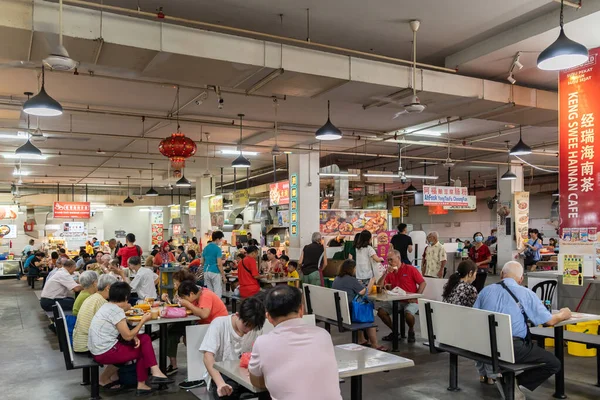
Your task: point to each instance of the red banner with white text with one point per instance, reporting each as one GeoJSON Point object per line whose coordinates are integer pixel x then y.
{"type": "Point", "coordinates": [579, 94]}
{"type": "Point", "coordinates": [72, 209]}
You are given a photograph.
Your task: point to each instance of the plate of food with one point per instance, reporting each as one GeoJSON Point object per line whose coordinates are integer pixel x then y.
{"type": "Point", "coordinates": [523, 219]}
{"type": "Point", "coordinates": [523, 205]}
{"type": "Point", "coordinates": [345, 228]}
{"type": "Point", "coordinates": [134, 318]}
{"type": "Point", "coordinates": [4, 230]}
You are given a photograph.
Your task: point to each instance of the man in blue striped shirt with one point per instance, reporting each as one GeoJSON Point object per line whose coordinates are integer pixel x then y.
{"type": "Point", "coordinates": [502, 298]}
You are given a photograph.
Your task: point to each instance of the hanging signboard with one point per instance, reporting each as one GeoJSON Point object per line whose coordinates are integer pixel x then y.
{"type": "Point", "coordinates": [78, 227]}
{"type": "Point", "coordinates": [175, 211]}
{"type": "Point", "coordinates": [472, 205]}
{"type": "Point", "coordinates": [9, 212]}
{"type": "Point", "coordinates": [351, 222]}
{"type": "Point", "coordinates": [521, 217]}
{"type": "Point", "coordinates": [293, 201]}
{"type": "Point", "coordinates": [8, 231]}
{"type": "Point", "coordinates": [72, 209]}
{"type": "Point", "coordinates": [215, 204]}
{"type": "Point", "coordinates": [579, 103]}
{"type": "Point", "coordinates": [241, 198]}
{"type": "Point", "coordinates": [445, 196]}
{"type": "Point", "coordinates": [279, 193]}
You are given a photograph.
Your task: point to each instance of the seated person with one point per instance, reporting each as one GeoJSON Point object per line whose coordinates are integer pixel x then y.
{"type": "Point", "coordinates": [274, 263]}
{"type": "Point", "coordinates": [88, 280]}
{"type": "Point", "coordinates": [164, 255]}
{"type": "Point", "coordinates": [181, 255]}
{"type": "Point", "coordinates": [36, 263]}
{"type": "Point", "coordinates": [149, 262]}
{"type": "Point", "coordinates": [109, 378]}
{"type": "Point", "coordinates": [293, 273]}
{"type": "Point", "coordinates": [59, 287]}
{"type": "Point", "coordinates": [144, 283]}
{"type": "Point", "coordinates": [248, 275]}
{"type": "Point", "coordinates": [265, 266]}
{"type": "Point", "coordinates": [202, 303]}
{"type": "Point", "coordinates": [83, 259]}
{"type": "Point", "coordinates": [346, 281]}
{"type": "Point", "coordinates": [112, 342]}
{"type": "Point", "coordinates": [407, 278]}
{"type": "Point", "coordinates": [194, 262]}
{"type": "Point", "coordinates": [502, 298]}
{"type": "Point", "coordinates": [178, 277]}
{"type": "Point", "coordinates": [284, 260]}
{"type": "Point", "coordinates": [227, 339]}
{"type": "Point", "coordinates": [276, 355]}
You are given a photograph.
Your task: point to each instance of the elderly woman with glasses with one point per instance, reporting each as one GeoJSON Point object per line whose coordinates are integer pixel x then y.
{"type": "Point", "coordinates": [89, 282]}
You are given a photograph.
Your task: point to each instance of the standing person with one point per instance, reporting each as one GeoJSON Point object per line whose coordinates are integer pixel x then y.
{"type": "Point", "coordinates": [434, 263]}
{"type": "Point", "coordinates": [164, 255]}
{"type": "Point", "coordinates": [531, 249]}
{"type": "Point", "coordinates": [251, 242]}
{"type": "Point", "coordinates": [337, 241]}
{"type": "Point", "coordinates": [59, 287]}
{"type": "Point", "coordinates": [112, 248]}
{"type": "Point", "coordinates": [480, 254]}
{"type": "Point", "coordinates": [144, 283]}
{"type": "Point", "coordinates": [276, 355]}
{"type": "Point", "coordinates": [89, 283]}
{"type": "Point", "coordinates": [407, 278]}
{"type": "Point", "coordinates": [403, 243]}
{"type": "Point", "coordinates": [227, 339]}
{"type": "Point", "coordinates": [29, 247]}
{"type": "Point", "coordinates": [112, 342]}
{"type": "Point", "coordinates": [366, 256]}
{"type": "Point", "coordinates": [346, 281]}
{"type": "Point", "coordinates": [212, 260]}
{"type": "Point", "coordinates": [523, 305]}
{"type": "Point", "coordinates": [130, 250]}
{"type": "Point", "coordinates": [248, 274]}
{"type": "Point", "coordinates": [309, 260]}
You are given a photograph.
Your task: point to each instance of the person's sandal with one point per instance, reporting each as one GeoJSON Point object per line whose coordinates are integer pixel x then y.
{"type": "Point", "coordinates": [382, 348]}
{"type": "Point", "coordinates": [110, 387]}
{"type": "Point", "coordinates": [144, 392]}
{"type": "Point", "coordinates": [486, 380]}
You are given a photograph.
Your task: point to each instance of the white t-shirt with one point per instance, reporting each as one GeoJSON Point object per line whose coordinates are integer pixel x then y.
{"type": "Point", "coordinates": [363, 262]}
{"type": "Point", "coordinates": [59, 285]}
{"type": "Point", "coordinates": [143, 283]}
{"type": "Point", "coordinates": [224, 343]}
{"type": "Point", "coordinates": [103, 333]}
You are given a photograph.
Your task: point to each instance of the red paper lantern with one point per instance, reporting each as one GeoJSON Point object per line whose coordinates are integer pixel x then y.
{"type": "Point", "coordinates": [177, 148]}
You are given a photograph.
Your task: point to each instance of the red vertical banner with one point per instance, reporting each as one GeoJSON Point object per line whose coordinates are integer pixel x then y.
{"type": "Point", "coordinates": [579, 94]}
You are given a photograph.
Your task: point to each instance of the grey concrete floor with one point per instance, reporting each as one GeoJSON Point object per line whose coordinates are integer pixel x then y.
{"type": "Point", "coordinates": [32, 367]}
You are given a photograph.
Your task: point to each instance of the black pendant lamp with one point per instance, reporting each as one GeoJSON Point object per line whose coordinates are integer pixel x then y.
{"type": "Point", "coordinates": [564, 53]}
{"type": "Point", "coordinates": [28, 149]}
{"type": "Point", "coordinates": [183, 182]}
{"type": "Point", "coordinates": [152, 192]}
{"type": "Point", "coordinates": [411, 189]}
{"type": "Point", "coordinates": [241, 161]}
{"type": "Point", "coordinates": [42, 104]}
{"type": "Point", "coordinates": [520, 149]}
{"type": "Point", "coordinates": [128, 200]}
{"type": "Point", "coordinates": [328, 131]}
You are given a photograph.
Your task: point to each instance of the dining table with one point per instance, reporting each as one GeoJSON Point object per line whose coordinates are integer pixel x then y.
{"type": "Point", "coordinates": [397, 317]}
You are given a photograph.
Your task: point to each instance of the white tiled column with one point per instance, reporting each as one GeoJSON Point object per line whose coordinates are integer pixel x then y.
{"type": "Point", "coordinates": [307, 168]}
{"type": "Point", "coordinates": [203, 225]}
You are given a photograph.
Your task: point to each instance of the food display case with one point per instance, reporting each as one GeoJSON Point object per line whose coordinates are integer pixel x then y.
{"type": "Point", "coordinates": [9, 268]}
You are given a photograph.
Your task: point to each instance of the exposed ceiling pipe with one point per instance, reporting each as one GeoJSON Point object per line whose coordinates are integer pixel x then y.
{"type": "Point", "coordinates": [246, 32]}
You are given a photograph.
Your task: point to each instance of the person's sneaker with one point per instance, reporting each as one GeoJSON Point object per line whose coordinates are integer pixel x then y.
{"type": "Point", "coordinates": [171, 370]}
{"type": "Point", "coordinates": [390, 337]}
{"type": "Point", "coordinates": [411, 337]}
{"type": "Point", "coordinates": [187, 385]}
{"type": "Point", "coordinates": [52, 327]}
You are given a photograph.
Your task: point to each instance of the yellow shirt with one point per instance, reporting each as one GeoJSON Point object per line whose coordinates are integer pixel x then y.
{"type": "Point", "coordinates": [293, 275]}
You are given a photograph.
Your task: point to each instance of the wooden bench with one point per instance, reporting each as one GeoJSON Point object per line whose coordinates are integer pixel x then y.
{"type": "Point", "coordinates": [90, 368]}
{"type": "Point", "coordinates": [591, 341]}
{"type": "Point", "coordinates": [331, 307]}
{"type": "Point", "coordinates": [491, 343]}
{"type": "Point", "coordinates": [234, 299]}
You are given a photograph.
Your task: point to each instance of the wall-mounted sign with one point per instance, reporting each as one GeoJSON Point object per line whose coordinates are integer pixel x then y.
{"type": "Point", "coordinates": [445, 196]}
{"type": "Point", "coordinates": [72, 209]}
{"type": "Point", "coordinates": [8, 231]}
{"type": "Point", "coordinates": [579, 102]}
{"type": "Point", "coordinates": [9, 212]}
{"type": "Point", "coordinates": [241, 198]}
{"type": "Point", "coordinates": [469, 207]}
{"type": "Point", "coordinates": [215, 204]}
{"type": "Point", "coordinates": [177, 229]}
{"type": "Point", "coordinates": [279, 193]}
{"type": "Point", "coordinates": [77, 227]}
{"type": "Point", "coordinates": [120, 234]}
{"type": "Point", "coordinates": [351, 222]}
{"type": "Point", "coordinates": [293, 201]}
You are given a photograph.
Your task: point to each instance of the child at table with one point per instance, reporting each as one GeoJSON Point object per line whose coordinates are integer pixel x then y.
{"type": "Point", "coordinates": [292, 273]}
{"type": "Point", "coordinates": [226, 339]}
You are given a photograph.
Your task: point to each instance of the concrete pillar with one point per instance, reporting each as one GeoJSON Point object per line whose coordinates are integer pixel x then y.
{"type": "Point", "coordinates": [506, 244]}
{"type": "Point", "coordinates": [203, 225]}
{"type": "Point", "coordinates": [306, 166]}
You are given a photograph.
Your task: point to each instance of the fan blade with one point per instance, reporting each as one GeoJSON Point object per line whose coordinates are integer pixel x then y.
{"type": "Point", "coordinates": [19, 64]}
{"type": "Point", "coordinates": [398, 114]}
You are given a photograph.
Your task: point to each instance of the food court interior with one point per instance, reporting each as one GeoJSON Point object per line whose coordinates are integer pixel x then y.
{"type": "Point", "coordinates": [274, 120]}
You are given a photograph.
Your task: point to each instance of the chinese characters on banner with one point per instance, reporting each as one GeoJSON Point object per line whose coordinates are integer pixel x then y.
{"type": "Point", "coordinates": [293, 201]}
{"type": "Point", "coordinates": [579, 93]}
{"type": "Point", "coordinates": [445, 196]}
{"type": "Point", "coordinates": [521, 216]}
{"type": "Point", "coordinates": [72, 210]}
{"type": "Point", "coordinates": [279, 193]}
{"type": "Point", "coordinates": [241, 198]}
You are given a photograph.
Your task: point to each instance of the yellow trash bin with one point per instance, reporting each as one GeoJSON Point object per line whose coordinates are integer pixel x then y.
{"type": "Point", "coordinates": [579, 349]}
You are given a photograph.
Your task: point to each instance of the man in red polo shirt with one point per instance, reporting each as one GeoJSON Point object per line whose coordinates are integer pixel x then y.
{"type": "Point", "coordinates": [407, 278]}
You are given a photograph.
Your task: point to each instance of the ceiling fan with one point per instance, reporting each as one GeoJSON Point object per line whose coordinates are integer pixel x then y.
{"type": "Point", "coordinates": [207, 173]}
{"type": "Point", "coordinates": [449, 162]}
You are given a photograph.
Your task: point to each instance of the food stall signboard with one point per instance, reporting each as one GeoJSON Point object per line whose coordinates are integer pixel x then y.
{"type": "Point", "coordinates": [445, 196]}
{"type": "Point", "coordinates": [8, 231]}
{"type": "Point", "coordinates": [9, 212]}
{"type": "Point", "coordinates": [469, 207]}
{"type": "Point", "coordinates": [351, 222]}
{"type": "Point", "coordinates": [521, 215]}
{"type": "Point", "coordinates": [72, 209]}
{"type": "Point", "coordinates": [579, 102]}
{"type": "Point", "coordinates": [241, 198]}
{"type": "Point", "coordinates": [215, 204]}
{"type": "Point", "coordinates": [78, 227]}
{"type": "Point", "coordinates": [293, 201]}
{"type": "Point", "coordinates": [279, 193]}
{"type": "Point", "coordinates": [573, 270]}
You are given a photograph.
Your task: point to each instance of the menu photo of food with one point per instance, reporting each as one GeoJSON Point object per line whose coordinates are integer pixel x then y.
{"type": "Point", "coordinates": [350, 222]}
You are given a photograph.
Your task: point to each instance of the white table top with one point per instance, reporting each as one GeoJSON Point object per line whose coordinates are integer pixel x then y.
{"type": "Point", "coordinates": [578, 317]}
{"type": "Point", "coordinates": [384, 297]}
{"type": "Point", "coordinates": [279, 280]}
{"type": "Point", "coordinates": [352, 360]}
{"type": "Point", "coordinates": [167, 320]}
{"type": "Point", "coordinates": [558, 274]}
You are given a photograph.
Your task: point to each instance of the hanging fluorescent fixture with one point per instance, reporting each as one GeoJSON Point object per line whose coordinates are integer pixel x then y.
{"type": "Point", "coordinates": [426, 134]}
{"type": "Point", "coordinates": [564, 53]}
{"type": "Point", "coordinates": [233, 152]}
{"type": "Point", "coordinates": [241, 161]}
{"type": "Point", "coordinates": [328, 131]}
{"type": "Point", "coordinates": [380, 175]}
{"type": "Point", "coordinates": [128, 200]}
{"type": "Point", "coordinates": [520, 149]}
{"type": "Point", "coordinates": [19, 172]}
{"type": "Point", "coordinates": [432, 177]}
{"type": "Point", "coordinates": [411, 189]}
{"type": "Point", "coordinates": [25, 156]}
{"type": "Point", "coordinates": [338, 174]}
{"type": "Point", "coordinates": [42, 104]}
{"type": "Point", "coordinates": [151, 192]}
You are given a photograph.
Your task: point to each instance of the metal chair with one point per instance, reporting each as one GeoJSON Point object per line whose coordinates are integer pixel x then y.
{"type": "Point", "coordinates": [547, 289]}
